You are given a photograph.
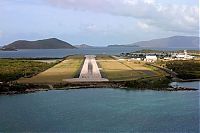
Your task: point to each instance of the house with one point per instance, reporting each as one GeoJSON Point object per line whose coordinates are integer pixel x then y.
{"type": "Point", "coordinates": [151, 58]}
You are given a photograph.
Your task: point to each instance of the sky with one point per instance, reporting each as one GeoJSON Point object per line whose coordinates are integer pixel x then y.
{"type": "Point", "coordinates": [97, 22]}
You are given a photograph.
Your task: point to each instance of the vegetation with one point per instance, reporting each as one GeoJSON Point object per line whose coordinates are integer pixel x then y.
{"type": "Point", "coordinates": [185, 69]}
{"type": "Point", "coordinates": [195, 52]}
{"type": "Point", "coordinates": [192, 52]}
{"type": "Point", "coordinates": [112, 69]}
{"type": "Point", "coordinates": [65, 70]}
{"type": "Point", "coordinates": [78, 71]}
{"type": "Point", "coordinates": [15, 88]}
{"type": "Point", "coordinates": [151, 83]}
{"type": "Point", "coordinates": [12, 69]}
{"type": "Point", "coordinates": [116, 70]}
{"type": "Point", "coordinates": [150, 51]}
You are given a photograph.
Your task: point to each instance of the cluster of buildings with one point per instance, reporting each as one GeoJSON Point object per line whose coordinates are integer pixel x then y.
{"type": "Point", "coordinates": [153, 57]}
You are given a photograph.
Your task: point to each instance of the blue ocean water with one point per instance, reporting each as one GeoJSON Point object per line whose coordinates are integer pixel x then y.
{"type": "Point", "coordinates": [63, 52]}
{"type": "Point", "coordinates": [58, 53]}
{"type": "Point", "coordinates": [101, 110]}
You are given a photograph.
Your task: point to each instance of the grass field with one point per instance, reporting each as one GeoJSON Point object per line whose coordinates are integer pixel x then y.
{"type": "Point", "coordinates": [116, 70]}
{"type": "Point", "coordinates": [65, 70]}
{"type": "Point", "coordinates": [12, 69]}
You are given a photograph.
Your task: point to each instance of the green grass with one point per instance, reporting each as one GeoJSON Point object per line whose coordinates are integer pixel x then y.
{"type": "Point", "coordinates": [116, 70]}
{"type": "Point", "coordinates": [66, 69]}
{"type": "Point", "coordinates": [12, 69]}
{"type": "Point", "coordinates": [113, 69]}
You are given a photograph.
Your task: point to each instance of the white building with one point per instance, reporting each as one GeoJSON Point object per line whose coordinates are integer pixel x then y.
{"type": "Point", "coordinates": [151, 58]}
{"type": "Point", "coordinates": [184, 56]}
{"type": "Point", "coordinates": [180, 56]}
{"type": "Point", "coordinates": [135, 59]}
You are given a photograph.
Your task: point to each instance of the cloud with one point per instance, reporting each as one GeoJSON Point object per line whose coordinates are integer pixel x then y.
{"type": "Point", "coordinates": [91, 27]}
{"type": "Point", "coordinates": [143, 25]}
{"type": "Point", "coordinates": [96, 29]}
{"type": "Point", "coordinates": [149, 1]}
{"type": "Point", "coordinates": [179, 18]}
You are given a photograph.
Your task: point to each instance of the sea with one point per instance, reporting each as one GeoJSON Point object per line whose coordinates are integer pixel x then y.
{"type": "Point", "coordinates": [101, 109]}
{"type": "Point", "coordinates": [59, 53]}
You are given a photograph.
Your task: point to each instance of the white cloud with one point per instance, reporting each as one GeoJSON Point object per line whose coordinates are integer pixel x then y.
{"type": "Point", "coordinates": [131, 2]}
{"type": "Point", "coordinates": [149, 1]}
{"type": "Point", "coordinates": [179, 18]}
{"type": "Point", "coordinates": [91, 27]}
{"type": "Point", "coordinates": [143, 25]}
{"type": "Point", "coordinates": [95, 29]}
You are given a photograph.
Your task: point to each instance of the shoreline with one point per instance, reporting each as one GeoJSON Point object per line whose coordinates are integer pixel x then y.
{"type": "Point", "coordinates": [10, 89]}
{"type": "Point", "coordinates": [185, 80]}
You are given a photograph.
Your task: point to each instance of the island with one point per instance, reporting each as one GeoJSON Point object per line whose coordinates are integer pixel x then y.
{"type": "Point", "coordinates": [52, 43]}
{"type": "Point", "coordinates": [116, 45]}
{"type": "Point", "coordinates": [83, 46]}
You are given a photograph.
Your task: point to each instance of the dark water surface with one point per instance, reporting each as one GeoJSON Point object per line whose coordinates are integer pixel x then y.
{"type": "Point", "coordinates": [63, 52]}
{"type": "Point", "coordinates": [101, 110]}
{"type": "Point", "coordinates": [51, 53]}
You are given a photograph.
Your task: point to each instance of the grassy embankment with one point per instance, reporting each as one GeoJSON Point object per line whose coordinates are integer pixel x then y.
{"type": "Point", "coordinates": [116, 70]}
{"type": "Point", "coordinates": [13, 69]}
{"type": "Point", "coordinates": [65, 70]}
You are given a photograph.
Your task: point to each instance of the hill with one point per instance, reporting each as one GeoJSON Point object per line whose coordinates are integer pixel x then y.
{"type": "Point", "coordinates": [171, 42]}
{"type": "Point", "coordinates": [123, 45]}
{"type": "Point", "coordinates": [83, 46]}
{"type": "Point", "coordinates": [51, 43]}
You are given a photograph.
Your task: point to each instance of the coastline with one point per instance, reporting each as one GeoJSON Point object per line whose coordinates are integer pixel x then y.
{"type": "Point", "coordinates": [14, 88]}
{"type": "Point", "coordinates": [185, 80]}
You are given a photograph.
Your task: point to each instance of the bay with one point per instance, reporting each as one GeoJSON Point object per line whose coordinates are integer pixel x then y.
{"type": "Point", "coordinates": [101, 110]}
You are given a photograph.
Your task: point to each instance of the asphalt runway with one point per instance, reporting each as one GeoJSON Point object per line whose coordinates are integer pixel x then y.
{"type": "Point", "coordinates": [90, 71]}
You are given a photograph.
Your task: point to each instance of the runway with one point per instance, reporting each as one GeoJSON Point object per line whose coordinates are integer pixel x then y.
{"type": "Point", "coordinates": [90, 71]}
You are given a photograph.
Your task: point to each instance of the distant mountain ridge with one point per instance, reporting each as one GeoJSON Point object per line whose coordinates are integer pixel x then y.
{"type": "Point", "coordinates": [52, 43]}
{"type": "Point", "coordinates": [171, 42]}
